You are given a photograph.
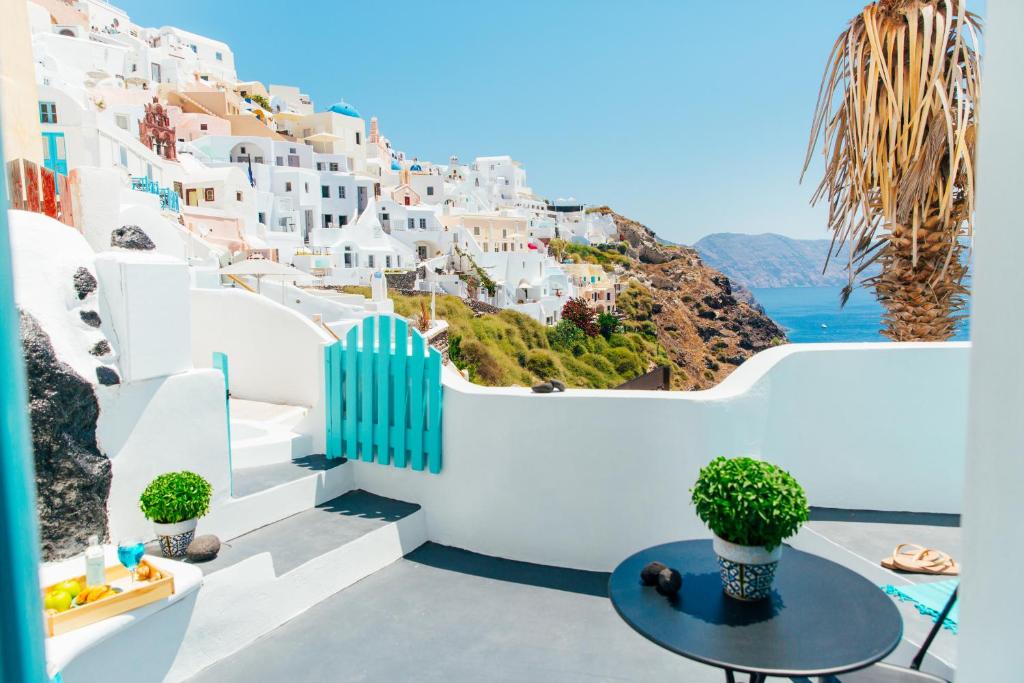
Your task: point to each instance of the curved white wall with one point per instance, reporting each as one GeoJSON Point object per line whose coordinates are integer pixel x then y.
{"type": "Point", "coordinates": [274, 354]}
{"type": "Point", "coordinates": [583, 479]}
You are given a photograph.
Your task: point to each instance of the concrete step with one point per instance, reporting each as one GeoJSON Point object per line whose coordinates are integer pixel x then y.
{"type": "Point", "coordinates": [255, 444]}
{"type": "Point", "coordinates": [272, 574]}
{"type": "Point", "coordinates": [251, 480]}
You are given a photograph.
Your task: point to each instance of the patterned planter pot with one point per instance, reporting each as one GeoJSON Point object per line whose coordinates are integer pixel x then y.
{"type": "Point", "coordinates": [747, 571]}
{"type": "Point", "coordinates": [175, 538]}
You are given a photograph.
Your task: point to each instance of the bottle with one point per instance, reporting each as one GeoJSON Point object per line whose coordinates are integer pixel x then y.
{"type": "Point", "coordinates": [95, 574]}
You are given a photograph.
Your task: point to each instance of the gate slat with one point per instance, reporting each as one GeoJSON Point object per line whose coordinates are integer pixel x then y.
{"type": "Point", "coordinates": [337, 405]}
{"type": "Point", "coordinates": [383, 389]}
{"type": "Point", "coordinates": [351, 405]}
{"type": "Point", "coordinates": [416, 401]}
{"type": "Point", "coordinates": [366, 388]}
{"type": "Point", "coordinates": [399, 382]}
{"type": "Point", "coordinates": [329, 400]}
{"type": "Point", "coordinates": [434, 414]}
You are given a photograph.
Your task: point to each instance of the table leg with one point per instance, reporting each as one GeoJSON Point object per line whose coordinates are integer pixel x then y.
{"type": "Point", "coordinates": [729, 676]}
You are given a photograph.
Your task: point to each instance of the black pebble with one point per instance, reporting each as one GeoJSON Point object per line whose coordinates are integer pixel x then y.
{"type": "Point", "coordinates": [649, 574]}
{"type": "Point", "coordinates": [669, 582]}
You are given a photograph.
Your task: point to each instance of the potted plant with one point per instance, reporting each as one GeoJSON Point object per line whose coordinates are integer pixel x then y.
{"type": "Point", "coordinates": [751, 506]}
{"type": "Point", "coordinates": [174, 502]}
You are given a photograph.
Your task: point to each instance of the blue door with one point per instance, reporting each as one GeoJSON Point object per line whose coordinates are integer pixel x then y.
{"type": "Point", "coordinates": [55, 155]}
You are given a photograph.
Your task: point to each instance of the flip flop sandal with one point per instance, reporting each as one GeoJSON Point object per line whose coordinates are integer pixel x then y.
{"type": "Point", "coordinates": [912, 558]}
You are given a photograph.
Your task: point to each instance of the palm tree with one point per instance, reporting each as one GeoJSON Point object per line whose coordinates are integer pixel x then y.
{"type": "Point", "coordinates": [896, 117]}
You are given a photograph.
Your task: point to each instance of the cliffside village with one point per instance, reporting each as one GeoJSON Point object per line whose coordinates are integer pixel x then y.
{"type": "Point", "coordinates": [152, 127]}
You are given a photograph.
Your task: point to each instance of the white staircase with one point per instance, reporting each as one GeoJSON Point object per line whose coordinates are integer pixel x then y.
{"type": "Point", "coordinates": [264, 434]}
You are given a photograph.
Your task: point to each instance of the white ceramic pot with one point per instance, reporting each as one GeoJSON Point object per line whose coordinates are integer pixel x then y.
{"type": "Point", "coordinates": [747, 571]}
{"type": "Point", "coordinates": [175, 538]}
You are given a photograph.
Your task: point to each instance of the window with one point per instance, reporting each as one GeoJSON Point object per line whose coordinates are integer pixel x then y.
{"type": "Point", "coordinates": [208, 194]}
{"type": "Point", "coordinates": [238, 196]}
{"type": "Point", "coordinates": [328, 220]}
{"type": "Point", "coordinates": [342, 220]}
{"type": "Point", "coordinates": [341, 191]}
{"type": "Point", "coordinates": [177, 189]}
{"type": "Point", "coordinates": [387, 261]}
{"type": "Point", "coordinates": [476, 229]}
{"type": "Point", "coordinates": [261, 217]}
{"type": "Point", "coordinates": [279, 161]}
{"type": "Point", "coordinates": [47, 112]}
{"type": "Point", "coordinates": [154, 72]}
{"type": "Point", "coordinates": [288, 186]}
{"type": "Point", "coordinates": [291, 150]}
{"type": "Point", "coordinates": [219, 57]}
{"type": "Point", "coordinates": [124, 156]}
{"type": "Point", "coordinates": [257, 160]}
{"type": "Point", "coordinates": [423, 224]}
{"type": "Point", "coordinates": [305, 186]}
{"type": "Point", "coordinates": [241, 149]}
{"type": "Point", "coordinates": [385, 216]}
{"type": "Point", "coordinates": [348, 257]}
{"type": "Point", "coordinates": [408, 200]}
{"type": "Point", "coordinates": [430, 190]}
{"type": "Point", "coordinates": [122, 121]}
{"type": "Point", "coordinates": [369, 260]}
{"type": "Point", "coordinates": [504, 232]}
{"type": "Point", "coordinates": [325, 191]}
{"type": "Point", "coordinates": [412, 223]}
{"type": "Point", "coordinates": [334, 166]}
{"type": "Point", "coordinates": [203, 126]}
{"type": "Point", "coordinates": [359, 138]}
{"type": "Point", "coordinates": [398, 261]}
{"type": "Point", "coordinates": [319, 165]}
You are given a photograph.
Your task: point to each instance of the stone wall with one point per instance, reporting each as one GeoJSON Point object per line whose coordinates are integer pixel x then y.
{"type": "Point", "coordinates": [72, 476]}
{"type": "Point", "coordinates": [401, 281]}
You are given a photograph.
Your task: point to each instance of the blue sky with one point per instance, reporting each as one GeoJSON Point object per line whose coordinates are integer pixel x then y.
{"type": "Point", "coordinates": [688, 116]}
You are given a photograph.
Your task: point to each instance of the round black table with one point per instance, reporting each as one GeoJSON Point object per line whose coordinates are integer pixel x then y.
{"type": "Point", "coordinates": [822, 619]}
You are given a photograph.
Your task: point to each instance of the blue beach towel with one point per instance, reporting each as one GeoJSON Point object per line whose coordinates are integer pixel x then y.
{"type": "Point", "coordinates": [930, 598]}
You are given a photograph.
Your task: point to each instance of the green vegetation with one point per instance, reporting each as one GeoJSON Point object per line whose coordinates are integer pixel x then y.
{"type": "Point", "coordinates": [260, 100]}
{"type": "Point", "coordinates": [606, 255]}
{"type": "Point", "coordinates": [481, 278]}
{"type": "Point", "coordinates": [176, 497]}
{"type": "Point", "coordinates": [749, 502]}
{"type": "Point", "coordinates": [511, 349]}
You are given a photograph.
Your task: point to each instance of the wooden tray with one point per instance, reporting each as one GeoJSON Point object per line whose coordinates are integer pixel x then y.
{"type": "Point", "coordinates": [134, 596]}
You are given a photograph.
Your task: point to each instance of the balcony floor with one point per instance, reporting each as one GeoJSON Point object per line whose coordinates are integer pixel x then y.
{"type": "Point", "coordinates": [443, 614]}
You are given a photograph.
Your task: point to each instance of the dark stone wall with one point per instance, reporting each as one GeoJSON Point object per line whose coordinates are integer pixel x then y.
{"type": "Point", "coordinates": [401, 280]}
{"type": "Point", "coordinates": [72, 476]}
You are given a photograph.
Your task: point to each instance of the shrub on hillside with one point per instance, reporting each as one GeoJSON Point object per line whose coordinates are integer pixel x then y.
{"type": "Point", "coordinates": [543, 363]}
{"type": "Point", "coordinates": [608, 325]}
{"type": "Point", "coordinates": [599, 363]}
{"type": "Point", "coordinates": [578, 312]}
{"type": "Point", "coordinates": [565, 335]}
{"type": "Point", "coordinates": [627, 364]}
{"type": "Point", "coordinates": [481, 362]}
{"type": "Point", "coordinates": [636, 302]}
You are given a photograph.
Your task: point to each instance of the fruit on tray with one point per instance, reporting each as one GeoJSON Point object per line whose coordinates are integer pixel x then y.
{"type": "Point", "coordinates": [94, 593]}
{"type": "Point", "coordinates": [57, 599]}
{"type": "Point", "coordinates": [147, 572]}
{"type": "Point", "coordinates": [71, 586]}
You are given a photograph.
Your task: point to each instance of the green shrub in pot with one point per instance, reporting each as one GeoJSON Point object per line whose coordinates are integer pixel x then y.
{"type": "Point", "coordinates": [174, 502]}
{"type": "Point", "coordinates": [751, 506]}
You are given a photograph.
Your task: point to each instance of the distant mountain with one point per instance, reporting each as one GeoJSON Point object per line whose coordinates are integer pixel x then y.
{"type": "Point", "coordinates": [770, 260]}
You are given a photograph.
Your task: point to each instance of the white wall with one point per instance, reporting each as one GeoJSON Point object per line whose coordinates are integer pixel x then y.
{"type": "Point", "coordinates": [597, 475]}
{"type": "Point", "coordinates": [993, 506]}
{"type": "Point", "coordinates": [274, 354]}
{"type": "Point", "coordinates": [167, 424]}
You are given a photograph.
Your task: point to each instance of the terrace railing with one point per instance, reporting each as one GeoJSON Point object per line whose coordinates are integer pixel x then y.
{"type": "Point", "coordinates": [168, 197]}
{"type": "Point", "coordinates": [383, 396]}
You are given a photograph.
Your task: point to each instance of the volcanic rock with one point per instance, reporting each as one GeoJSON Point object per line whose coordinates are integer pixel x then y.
{"type": "Point", "coordinates": [131, 237]}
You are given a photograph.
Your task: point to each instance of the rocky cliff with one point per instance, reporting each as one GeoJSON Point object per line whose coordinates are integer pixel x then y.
{"type": "Point", "coordinates": [771, 260]}
{"type": "Point", "coordinates": [705, 325]}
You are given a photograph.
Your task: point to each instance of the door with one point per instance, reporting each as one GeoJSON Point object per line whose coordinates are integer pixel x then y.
{"type": "Point", "coordinates": [191, 198]}
{"type": "Point", "coordinates": [361, 198]}
{"type": "Point", "coordinates": [55, 155]}
{"type": "Point", "coordinates": [422, 250]}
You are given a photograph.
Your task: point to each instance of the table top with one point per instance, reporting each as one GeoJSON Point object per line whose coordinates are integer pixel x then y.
{"type": "Point", "coordinates": [821, 619]}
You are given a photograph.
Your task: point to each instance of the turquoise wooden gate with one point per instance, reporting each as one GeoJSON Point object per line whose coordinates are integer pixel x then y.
{"type": "Point", "coordinates": [384, 396]}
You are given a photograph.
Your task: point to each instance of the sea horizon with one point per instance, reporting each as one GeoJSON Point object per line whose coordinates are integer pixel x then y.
{"type": "Point", "coordinates": [814, 315]}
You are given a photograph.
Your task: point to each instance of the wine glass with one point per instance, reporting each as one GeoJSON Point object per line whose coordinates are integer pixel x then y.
{"type": "Point", "coordinates": [129, 552]}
